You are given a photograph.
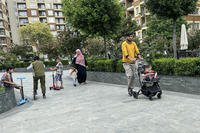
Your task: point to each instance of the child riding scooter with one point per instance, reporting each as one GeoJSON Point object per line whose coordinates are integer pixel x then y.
{"type": "Point", "coordinates": [58, 77]}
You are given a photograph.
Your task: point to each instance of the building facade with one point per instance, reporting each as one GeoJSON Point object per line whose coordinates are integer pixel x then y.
{"type": "Point", "coordinates": [137, 11]}
{"type": "Point", "coordinates": [194, 19]}
{"type": "Point", "coordinates": [5, 30]}
{"type": "Point", "coordinates": [45, 11]}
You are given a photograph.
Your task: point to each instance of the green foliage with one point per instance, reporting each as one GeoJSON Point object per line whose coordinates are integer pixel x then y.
{"type": "Point", "coordinates": [182, 67]}
{"type": "Point", "coordinates": [2, 89]}
{"type": "Point", "coordinates": [39, 35]}
{"type": "Point", "coordinates": [23, 51]}
{"type": "Point", "coordinates": [194, 40]}
{"type": "Point", "coordinates": [103, 65]}
{"type": "Point", "coordinates": [70, 40]}
{"type": "Point", "coordinates": [159, 36]}
{"type": "Point", "coordinates": [171, 8]}
{"type": "Point", "coordinates": [7, 59]}
{"type": "Point", "coordinates": [93, 17]}
{"type": "Point", "coordinates": [165, 66]}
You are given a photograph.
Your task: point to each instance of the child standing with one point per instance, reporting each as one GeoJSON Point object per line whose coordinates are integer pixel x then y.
{"type": "Point", "coordinates": [59, 73]}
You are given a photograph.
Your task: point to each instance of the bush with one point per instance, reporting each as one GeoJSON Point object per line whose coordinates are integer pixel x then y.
{"type": "Point", "coordinates": [164, 65]}
{"type": "Point", "coordinates": [181, 67]}
{"type": "Point", "coordinates": [103, 65]}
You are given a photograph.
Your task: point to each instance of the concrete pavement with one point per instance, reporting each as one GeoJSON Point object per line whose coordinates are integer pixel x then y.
{"type": "Point", "coordinates": [101, 108]}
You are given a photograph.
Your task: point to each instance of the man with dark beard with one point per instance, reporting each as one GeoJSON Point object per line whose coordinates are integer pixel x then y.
{"type": "Point", "coordinates": [129, 54]}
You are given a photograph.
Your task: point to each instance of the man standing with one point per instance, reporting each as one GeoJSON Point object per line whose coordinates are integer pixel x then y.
{"type": "Point", "coordinates": [129, 53]}
{"type": "Point", "coordinates": [39, 74]}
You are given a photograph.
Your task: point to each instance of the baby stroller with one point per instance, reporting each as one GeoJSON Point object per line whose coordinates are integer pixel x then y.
{"type": "Point", "coordinates": [149, 82]}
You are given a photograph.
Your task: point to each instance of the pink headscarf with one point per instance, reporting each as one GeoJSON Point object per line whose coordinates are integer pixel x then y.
{"type": "Point", "coordinates": [80, 58]}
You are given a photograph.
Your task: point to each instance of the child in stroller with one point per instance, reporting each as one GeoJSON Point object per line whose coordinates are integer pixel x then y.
{"type": "Point", "coordinates": [148, 80]}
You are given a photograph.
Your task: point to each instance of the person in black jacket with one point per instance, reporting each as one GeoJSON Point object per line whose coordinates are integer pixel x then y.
{"type": "Point", "coordinates": [80, 64]}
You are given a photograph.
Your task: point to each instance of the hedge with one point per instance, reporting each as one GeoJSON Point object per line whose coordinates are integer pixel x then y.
{"type": "Point", "coordinates": [164, 66]}
{"type": "Point", "coordinates": [105, 65]}
{"type": "Point", "coordinates": [21, 64]}
{"type": "Point", "coordinates": [181, 67]}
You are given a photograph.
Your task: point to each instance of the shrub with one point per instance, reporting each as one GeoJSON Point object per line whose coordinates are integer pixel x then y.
{"type": "Point", "coordinates": [181, 67]}
{"type": "Point", "coordinates": [164, 65]}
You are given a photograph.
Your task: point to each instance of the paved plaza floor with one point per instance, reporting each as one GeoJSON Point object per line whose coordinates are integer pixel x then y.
{"type": "Point", "coordinates": [100, 108]}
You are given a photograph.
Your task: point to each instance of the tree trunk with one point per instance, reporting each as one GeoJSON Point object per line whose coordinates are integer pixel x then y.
{"type": "Point", "coordinates": [174, 38]}
{"type": "Point", "coordinates": [104, 40]}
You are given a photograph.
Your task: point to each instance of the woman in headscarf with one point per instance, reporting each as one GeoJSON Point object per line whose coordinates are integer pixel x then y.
{"type": "Point", "coordinates": [80, 64]}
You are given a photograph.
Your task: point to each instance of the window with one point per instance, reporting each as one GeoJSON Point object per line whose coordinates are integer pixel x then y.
{"type": "Point", "coordinates": [49, 6]}
{"type": "Point", "coordinates": [22, 13]}
{"type": "Point", "coordinates": [51, 20]}
{"type": "Point", "coordinates": [60, 27]}
{"type": "Point", "coordinates": [41, 6]}
{"type": "Point", "coordinates": [34, 19]}
{"type": "Point", "coordinates": [33, 12]}
{"type": "Point", "coordinates": [59, 14]}
{"type": "Point", "coordinates": [42, 13]}
{"type": "Point", "coordinates": [52, 27]}
{"type": "Point", "coordinates": [57, 6]}
{"type": "Point", "coordinates": [33, 5]}
{"type": "Point", "coordinates": [1, 15]}
{"type": "Point", "coordinates": [2, 32]}
{"type": "Point", "coordinates": [21, 6]}
{"type": "Point", "coordinates": [2, 41]}
{"type": "Point", "coordinates": [1, 23]}
{"type": "Point", "coordinates": [23, 21]}
{"type": "Point", "coordinates": [43, 20]}
{"type": "Point", "coordinates": [50, 12]}
{"type": "Point", "coordinates": [59, 20]}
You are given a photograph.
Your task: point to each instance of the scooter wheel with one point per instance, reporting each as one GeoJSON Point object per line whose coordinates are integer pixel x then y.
{"type": "Point", "coordinates": [159, 95]}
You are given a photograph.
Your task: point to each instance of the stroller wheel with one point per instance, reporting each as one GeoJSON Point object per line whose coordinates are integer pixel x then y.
{"type": "Point", "coordinates": [50, 88]}
{"type": "Point", "coordinates": [150, 98]}
{"type": "Point", "coordinates": [159, 95]}
{"type": "Point", "coordinates": [135, 95]}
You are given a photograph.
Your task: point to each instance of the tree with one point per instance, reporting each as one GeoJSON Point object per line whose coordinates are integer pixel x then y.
{"type": "Point", "coordinates": [172, 9]}
{"type": "Point", "coordinates": [37, 34]}
{"type": "Point", "coordinates": [94, 17]}
{"type": "Point", "coordinates": [70, 40]}
{"type": "Point", "coordinates": [127, 26]}
{"type": "Point", "coordinates": [194, 40]}
{"type": "Point", "coordinates": [22, 51]}
{"type": "Point", "coordinates": [158, 35]}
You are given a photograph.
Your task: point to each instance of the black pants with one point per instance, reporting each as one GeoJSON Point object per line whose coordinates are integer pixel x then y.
{"type": "Point", "coordinates": [42, 82]}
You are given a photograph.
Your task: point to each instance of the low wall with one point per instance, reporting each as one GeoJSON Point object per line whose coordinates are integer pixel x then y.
{"type": "Point", "coordinates": [172, 83]}
{"type": "Point", "coordinates": [7, 100]}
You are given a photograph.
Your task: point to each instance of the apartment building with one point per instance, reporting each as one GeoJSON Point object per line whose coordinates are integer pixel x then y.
{"type": "Point", "coordinates": [45, 11]}
{"type": "Point", "coordinates": [194, 19]}
{"type": "Point", "coordinates": [138, 12]}
{"type": "Point", "coordinates": [5, 32]}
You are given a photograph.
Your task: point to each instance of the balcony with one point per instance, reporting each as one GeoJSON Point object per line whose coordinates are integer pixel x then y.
{"type": "Point", "coordinates": [122, 1]}
{"type": "Point", "coordinates": [41, 1]}
{"type": "Point", "coordinates": [21, 1]}
{"type": "Point", "coordinates": [130, 9]}
{"type": "Point", "coordinates": [57, 1]}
